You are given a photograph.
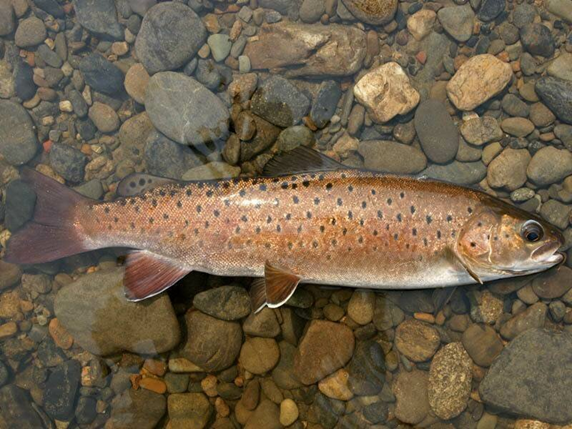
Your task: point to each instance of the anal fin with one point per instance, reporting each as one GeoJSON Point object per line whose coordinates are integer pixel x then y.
{"type": "Point", "coordinates": [277, 286]}
{"type": "Point", "coordinates": [147, 275]}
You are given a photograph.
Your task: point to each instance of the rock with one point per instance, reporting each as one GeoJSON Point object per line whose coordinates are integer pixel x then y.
{"type": "Point", "coordinates": [51, 58]}
{"type": "Point", "coordinates": [7, 21]}
{"type": "Point", "coordinates": [386, 92]}
{"type": "Point", "coordinates": [288, 412]}
{"type": "Point", "coordinates": [514, 106]}
{"type": "Point", "coordinates": [78, 103]}
{"type": "Point", "coordinates": [266, 135]}
{"type": "Point", "coordinates": [529, 377]}
{"type": "Point", "coordinates": [18, 143]}
{"type": "Point", "coordinates": [367, 369]}
{"type": "Point", "coordinates": [420, 24]}
{"type": "Point", "coordinates": [220, 45]}
{"type": "Point", "coordinates": [391, 157]}
{"type": "Point", "coordinates": [556, 213]}
{"type": "Point", "coordinates": [279, 102]}
{"type": "Point", "coordinates": [259, 355]}
{"type": "Point", "coordinates": [461, 173]}
{"type": "Point", "coordinates": [293, 137]}
{"type": "Point", "coordinates": [482, 343]}
{"type": "Point", "coordinates": [51, 6]}
{"type": "Point", "coordinates": [212, 171]}
{"type": "Point", "coordinates": [374, 12]}
{"type": "Point", "coordinates": [518, 127]}
{"type": "Point", "coordinates": [508, 170]}
{"type": "Point", "coordinates": [171, 102]}
{"type": "Point", "coordinates": [225, 302]}
{"type": "Point", "coordinates": [437, 133]}
{"type": "Point", "coordinates": [165, 158]}
{"type": "Point", "coordinates": [552, 284]}
{"type": "Point", "coordinates": [96, 313]}
{"type": "Point", "coordinates": [137, 408]}
{"type": "Point", "coordinates": [10, 274]}
{"type": "Point", "coordinates": [104, 117]}
{"type": "Point", "coordinates": [308, 50]}
{"type": "Point", "coordinates": [416, 340]}
{"type": "Point", "coordinates": [524, 14]}
{"type": "Point", "coordinates": [7, 81]}
{"type": "Point", "coordinates": [361, 306]}
{"type": "Point", "coordinates": [266, 415]}
{"type": "Point", "coordinates": [325, 347]}
{"type": "Point", "coordinates": [212, 344]}
{"type": "Point", "coordinates": [477, 80]}
{"type": "Point", "coordinates": [564, 133]}
{"type": "Point", "coordinates": [101, 75]}
{"type": "Point", "coordinates": [99, 17]}
{"type": "Point", "coordinates": [136, 81]}
{"type": "Point", "coordinates": [335, 386]}
{"type": "Point", "coordinates": [533, 317]}
{"type": "Point", "coordinates": [450, 380]}
{"type": "Point", "coordinates": [31, 32]}
{"type": "Point", "coordinates": [85, 411]}
{"type": "Point", "coordinates": [561, 67]}
{"type": "Point", "coordinates": [311, 11]}
{"type": "Point", "coordinates": [557, 95]}
{"type": "Point", "coordinates": [68, 162]}
{"type": "Point", "coordinates": [481, 130]}
{"type": "Point", "coordinates": [490, 9]}
{"type": "Point", "coordinates": [410, 390]}
{"type": "Point", "coordinates": [262, 324]}
{"type": "Point", "coordinates": [283, 374]}
{"type": "Point", "coordinates": [61, 389]}
{"type": "Point", "coordinates": [169, 24]}
{"type": "Point", "coordinates": [457, 21]}
{"type": "Point", "coordinates": [24, 80]}
{"type": "Point", "coordinates": [325, 103]}
{"type": "Point", "coordinates": [541, 116]}
{"type": "Point", "coordinates": [560, 8]}
{"type": "Point", "coordinates": [537, 40]}
{"type": "Point", "coordinates": [189, 410]}
{"type": "Point", "coordinates": [549, 165]}
{"type": "Point", "coordinates": [17, 410]}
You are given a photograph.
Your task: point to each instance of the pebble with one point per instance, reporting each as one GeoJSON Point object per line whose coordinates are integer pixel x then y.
{"type": "Point", "coordinates": [244, 65]}
{"type": "Point", "coordinates": [20, 204]}
{"type": "Point", "coordinates": [85, 411]}
{"type": "Point", "coordinates": [10, 274]}
{"type": "Point", "coordinates": [99, 18]}
{"type": "Point", "coordinates": [61, 389]}
{"type": "Point", "coordinates": [24, 80]}
{"type": "Point", "coordinates": [30, 32]}
{"type": "Point", "coordinates": [549, 165]}
{"type": "Point", "coordinates": [288, 412]}
{"type": "Point", "coordinates": [561, 67]}
{"type": "Point", "coordinates": [311, 11]}
{"type": "Point", "coordinates": [283, 374]}
{"type": "Point", "coordinates": [391, 157]}
{"type": "Point", "coordinates": [325, 347]}
{"type": "Point", "coordinates": [477, 80]}
{"type": "Point", "coordinates": [68, 162]}
{"type": "Point", "coordinates": [518, 127]}
{"type": "Point", "coordinates": [7, 21]}
{"type": "Point", "coordinates": [524, 14]}
{"type": "Point", "coordinates": [136, 81]}
{"type": "Point", "coordinates": [411, 392]}
{"type": "Point", "coordinates": [220, 45]}
{"type": "Point", "coordinates": [386, 92]}
{"type": "Point", "coordinates": [259, 355]}
{"type": "Point", "coordinates": [556, 213]}
{"type": "Point", "coordinates": [540, 115]}
{"type": "Point", "coordinates": [262, 324]}
{"type": "Point", "coordinates": [417, 340]}
{"type": "Point", "coordinates": [450, 379]}
{"type": "Point", "coordinates": [457, 21]}
{"type": "Point", "coordinates": [537, 39]}
{"type": "Point", "coordinates": [335, 386]}
{"type": "Point", "coordinates": [140, 408]}
{"type": "Point", "coordinates": [101, 75]}
{"type": "Point", "coordinates": [482, 343]}
{"type": "Point", "coordinates": [374, 12]}
{"type": "Point", "coordinates": [104, 118]}
{"type": "Point", "coordinates": [18, 143]}
{"type": "Point", "coordinates": [7, 81]}
{"type": "Point", "coordinates": [437, 133]}
{"type": "Point", "coordinates": [225, 303]}
{"type": "Point", "coordinates": [367, 369]}
{"type": "Point", "coordinates": [508, 169]}
{"type": "Point", "coordinates": [557, 95]}
{"type": "Point", "coordinates": [17, 408]}
{"type": "Point", "coordinates": [361, 306]}
{"type": "Point", "coordinates": [553, 283]}
{"type": "Point", "coordinates": [461, 173]}
{"type": "Point", "coordinates": [293, 137]}
{"type": "Point", "coordinates": [189, 410]}
{"type": "Point", "coordinates": [533, 317]}
{"type": "Point", "coordinates": [481, 130]}
{"type": "Point", "coordinates": [168, 97]}
{"type": "Point", "coordinates": [266, 415]}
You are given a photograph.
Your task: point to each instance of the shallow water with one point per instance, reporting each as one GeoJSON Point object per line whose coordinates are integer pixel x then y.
{"type": "Point", "coordinates": [476, 93]}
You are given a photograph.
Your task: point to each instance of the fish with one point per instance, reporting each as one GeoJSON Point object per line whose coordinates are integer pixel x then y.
{"type": "Point", "coordinates": [308, 219]}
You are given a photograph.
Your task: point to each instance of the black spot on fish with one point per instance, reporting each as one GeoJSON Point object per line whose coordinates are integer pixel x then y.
{"type": "Point", "coordinates": [257, 230]}
{"type": "Point", "coordinates": [360, 239]}
{"type": "Point", "coordinates": [278, 228]}
{"type": "Point", "coordinates": [179, 204]}
{"type": "Point", "coordinates": [379, 214]}
{"type": "Point", "coordinates": [339, 202]}
{"type": "Point", "coordinates": [269, 219]}
{"type": "Point", "coordinates": [412, 209]}
{"type": "Point", "coordinates": [165, 216]}
{"type": "Point", "coordinates": [333, 221]}
{"type": "Point", "coordinates": [162, 193]}
{"type": "Point", "coordinates": [314, 244]}
{"type": "Point", "coordinates": [322, 228]}
{"type": "Point", "coordinates": [115, 219]}
{"type": "Point", "coordinates": [473, 244]}
{"type": "Point", "coordinates": [226, 185]}
{"type": "Point", "coordinates": [267, 245]}
{"type": "Point", "coordinates": [209, 193]}
{"type": "Point", "coordinates": [299, 229]}
{"type": "Point", "coordinates": [438, 235]}
{"type": "Point", "coordinates": [154, 202]}
{"type": "Point", "coordinates": [479, 224]}
{"type": "Point", "coordinates": [199, 209]}
{"type": "Point", "coordinates": [395, 236]}
{"type": "Point", "coordinates": [207, 224]}
{"type": "Point", "coordinates": [284, 185]}
{"type": "Point", "coordinates": [316, 201]}
{"type": "Point", "coordinates": [196, 231]}
{"type": "Point", "coordinates": [189, 192]}
{"type": "Point", "coordinates": [186, 222]}
{"type": "Point", "coordinates": [453, 233]}
{"type": "Point", "coordinates": [407, 245]}
{"type": "Point", "coordinates": [309, 214]}
{"type": "Point", "coordinates": [227, 202]}
{"type": "Point", "coordinates": [414, 232]}
{"type": "Point", "coordinates": [201, 185]}
{"type": "Point", "coordinates": [237, 230]}
{"type": "Point", "coordinates": [449, 218]}
{"type": "Point", "coordinates": [334, 242]}
{"type": "Point", "coordinates": [329, 186]}
{"type": "Point", "coordinates": [425, 242]}
{"type": "Point", "coordinates": [375, 233]}
{"type": "Point", "coordinates": [288, 216]}
{"type": "Point", "coordinates": [151, 220]}
{"type": "Point", "coordinates": [350, 215]}
{"type": "Point", "coordinates": [137, 208]}
{"type": "Point", "coordinates": [106, 210]}
{"type": "Point", "coordinates": [429, 219]}
{"type": "Point", "coordinates": [216, 213]}
{"type": "Point", "coordinates": [328, 257]}
{"type": "Point", "coordinates": [361, 222]}
{"type": "Point", "coordinates": [173, 193]}
{"type": "Point", "coordinates": [242, 193]}
{"type": "Point", "coordinates": [373, 192]}
{"type": "Point", "coordinates": [123, 203]}
{"type": "Point", "coordinates": [496, 238]}
{"type": "Point", "coordinates": [350, 188]}
{"type": "Point", "coordinates": [344, 231]}
{"type": "Point", "coordinates": [295, 199]}
{"type": "Point", "coordinates": [321, 177]}
{"type": "Point", "coordinates": [344, 175]}
{"type": "Point", "coordinates": [132, 225]}
{"type": "Point", "coordinates": [399, 218]}
{"type": "Point", "coordinates": [305, 183]}
{"type": "Point", "coordinates": [290, 245]}
{"type": "Point", "coordinates": [402, 195]}
{"type": "Point", "coordinates": [470, 210]}
{"type": "Point", "coordinates": [294, 186]}
{"type": "Point", "coordinates": [262, 187]}
{"type": "Point", "coordinates": [109, 227]}
{"type": "Point", "coordinates": [141, 182]}
{"type": "Point", "coordinates": [363, 204]}
{"type": "Point", "coordinates": [389, 201]}
{"type": "Point", "coordinates": [244, 218]}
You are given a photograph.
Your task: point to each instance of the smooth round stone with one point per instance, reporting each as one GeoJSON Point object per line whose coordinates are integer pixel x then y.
{"type": "Point", "coordinates": [225, 302]}
{"type": "Point", "coordinates": [7, 21]}
{"type": "Point", "coordinates": [288, 412]}
{"type": "Point", "coordinates": [18, 142]}
{"type": "Point", "coordinates": [457, 21]}
{"type": "Point", "coordinates": [31, 32]}
{"type": "Point", "coordinates": [514, 106]}
{"type": "Point", "coordinates": [99, 17]}
{"type": "Point", "coordinates": [540, 115]}
{"type": "Point", "coordinates": [367, 369]}
{"type": "Point", "coordinates": [524, 14]}
{"type": "Point", "coordinates": [262, 324]}
{"type": "Point", "coordinates": [537, 39]}
{"type": "Point", "coordinates": [311, 11]}
{"type": "Point", "coordinates": [518, 127]}
{"type": "Point", "coordinates": [259, 355]}
{"type": "Point", "coordinates": [508, 169]}
{"type": "Point", "coordinates": [557, 95]}
{"type": "Point", "coordinates": [136, 81]}
{"type": "Point", "coordinates": [169, 24]}
{"type": "Point", "coordinates": [481, 130]}
{"type": "Point", "coordinates": [325, 102]}
{"type": "Point", "coordinates": [102, 75]}
{"type": "Point", "coordinates": [391, 157]}
{"type": "Point", "coordinates": [461, 173]}
{"type": "Point", "coordinates": [104, 117]}
{"type": "Point", "coordinates": [490, 9]}
{"type": "Point", "coordinates": [437, 133]}
{"type": "Point", "coordinates": [374, 12]}
{"type": "Point", "coordinates": [361, 306]}
{"type": "Point", "coordinates": [412, 403]}
{"type": "Point", "coordinates": [549, 165]}
{"type": "Point", "coordinates": [244, 65]}
{"type": "Point", "coordinates": [24, 81]}
{"type": "Point", "coordinates": [293, 137]}
{"type": "Point", "coordinates": [482, 343]}
{"type": "Point", "coordinates": [220, 45]}
{"type": "Point", "coordinates": [416, 340]}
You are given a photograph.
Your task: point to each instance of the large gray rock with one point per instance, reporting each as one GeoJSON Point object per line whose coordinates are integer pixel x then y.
{"type": "Point", "coordinates": [557, 95]}
{"type": "Point", "coordinates": [184, 110]}
{"type": "Point", "coordinates": [437, 133]}
{"type": "Point", "coordinates": [530, 378]}
{"type": "Point", "coordinates": [171, 34]}
{"type": "Point", "coordinates": [99, 17]}
{"type": "Point", "coordinates": [102, 321]}
{"type": "Point", "coordinates": [457, 21]}
{"type": "Point", "coordinates": [18, 142]}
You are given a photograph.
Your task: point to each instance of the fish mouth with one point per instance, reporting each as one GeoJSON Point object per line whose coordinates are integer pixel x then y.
{"type": "Point", "coordinates": [548, 254]}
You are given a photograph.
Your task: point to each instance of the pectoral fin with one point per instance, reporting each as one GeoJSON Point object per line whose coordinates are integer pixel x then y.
{"type": "Point", "coordinates": [274, 289]}
{"type": "Point", "coordinates": [452, 256]}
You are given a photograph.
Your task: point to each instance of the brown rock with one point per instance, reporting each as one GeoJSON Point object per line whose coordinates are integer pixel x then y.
{"type": "Point", "coordinates": [60, 335]}
{"type": "Point", "coordinates": [482, 343]}
{"type": "Point", "coordinates": [374, 12]}
{"type": "Point", "coordinates": [410, 390]}
{"type": "Point", "coordinates": [533, 317]}
{"type": "Point", "coordinates": [8, 329]}
{"type": "Point", "coordinates": [104, 117]}
{"type": "Point", "coordinates": [553, 283]}
{"type": "Point", "coordinates": [420, 24]}
{"type": "Point", "coordinates": [153, 384]}
{"type": "Point", "coordinates": [136, 81]}
{"type": "Point", "coordinates": [10, 274]}
{"type": "Point", "coordinates": [477, 80]}
{"type": "Point", "coordinates": [418, 341]}
{"type": "Point", "coordinates": [259, 355]}
{"type": "Point", "coordinates": [508, 170]}
{"type": "Point", "coordinates": [325, 347]}
{"type": "Point", "coordinates": [336, 386]}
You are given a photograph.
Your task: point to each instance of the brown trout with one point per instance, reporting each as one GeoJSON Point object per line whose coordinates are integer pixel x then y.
{"type": "Point", "coordinates": [312, 220]}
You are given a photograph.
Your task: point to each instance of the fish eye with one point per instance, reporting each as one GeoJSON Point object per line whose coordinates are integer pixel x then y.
{"type": "Point", "coordinates": [532, 231]}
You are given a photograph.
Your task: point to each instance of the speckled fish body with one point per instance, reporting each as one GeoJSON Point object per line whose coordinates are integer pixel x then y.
{"type": "Point", "coordinates": [348, 228]}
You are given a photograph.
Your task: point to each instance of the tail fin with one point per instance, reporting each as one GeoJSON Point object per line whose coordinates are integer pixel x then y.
{"type": "Point", "coordinates": [52, 233]}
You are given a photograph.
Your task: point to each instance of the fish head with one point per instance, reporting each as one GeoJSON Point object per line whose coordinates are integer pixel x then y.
{"type": "Point", "coordinates": [506, 241]}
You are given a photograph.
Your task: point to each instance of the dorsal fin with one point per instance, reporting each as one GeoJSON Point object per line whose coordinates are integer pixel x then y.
{"type": "Point", "coordinates": [137, 183]}
{"type": "Point", "coordinates": [301, 160]}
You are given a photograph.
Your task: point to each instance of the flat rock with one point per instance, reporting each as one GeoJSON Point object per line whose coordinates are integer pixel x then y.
{"type": "Point", "coordinates": [457, 21]}
{"type": "Point", "coordinates": [450, 380]}
{"type": "Point", "coordinates": [262, 324]}
{"type": "Point", "coordinates": [189, 410]}
{"type": "Point", "coordinates": [166, 158]}
{"type": "Point", "coordinates": [99, 17]}
{"type": "Point", "coordinates": [325, 347]}
{"type": "Point", "coordinates": [30, 32]}
{"type": "Point", "coordinates": [508, 170]}
{"type": "Point", "coordinates": [517, 127]}
{"type": "Point", "coordinates": [386, 92]}
{"type": "Point", "coordinates": [96, 313]}
{"type": "Point", "coordinates": [561, 8]}
{"type": "Point", "coordinates": [477, 80]}
{"type": "Point", "coordinates": [533, 317]}
{"type": "Point", "coordinates": [51, 6]}
{"type": "Point", "coordinates": [16, 409]}
{"type": "Point", "coordinates": [490, 9]}
{"type": "Point", "coordinates": [549, 165]}
{"type": "Point", "coordinates": [421, 23]}
{"type": "Point", "coordinates": [169, 24]}
{"type": "Point", "coordinates": [283, 374]}
{"type": "Point", "coordinates": [537, 39]}
{"type": "Point", "coordinates": [266, 415]}
{"type": "Point", "coordinates": [553, 283]}
{"type": "Point", "coordinates": [391, 157]}
{"type": "Point", "coordinates": [437, 133]}
{"type": "Point", "coordinates": [225, 302]}
{"type": "Point", "coordinates": [259, 355]}
{"type": "Point", "coordinates": [367, 369]}
{"type": "Point", "coordinates": [557, 95]}
{"type": "Point", "coordinates": [374, 12]}
{"type": "Point", "coordinates": [101, 75]}
{"type": "Point", "coordinates": [7, 21]}
{"type": "Point", "coordinates": [212, 171]}
{"type": "Point", "coordinates": [104, 117]}
{"type": "Point", "coordinates": [410, 390]}
{"type": "Point", "coordinates": [416, 340]}
{"type": "Point", "coordinates": [482, 343]}
{"type": "Point", "coordinates": [184, 110]}
{"type": "Point", "coordinates": [61, 389]}
{"type": "Point", "coordinates": [325, 103]}
{"type": "Point", "coordinates": [307, 50]}
{"type": "Point", "coordinates": [137, 408]}
{"type": "Point", "coordinates": [136, 81]}
{"type": "Point", "coordinates": [212, 344]}
{"type": "Point", "coordinates": [68, 162]}
{"type": "Point", "coordinates": [279, 102]}
{"type": "Point", "coordinates": [461, 173]}
{"type": "Point", "coordinates": [530, 377]}
{"type": "Point", "coordinates": [18, 142]}
{"type": "Point", "coordinates": [481, 130]}
{"type": "Point", "coordinates": [7, 81]}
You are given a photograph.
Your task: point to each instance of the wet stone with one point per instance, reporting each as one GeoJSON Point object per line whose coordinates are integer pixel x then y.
{"type": "Point", "coordinates": [226, 302]}
{"type": "Point", "coordinates": [437, 133]}
{"type": "Point", "coordinates": [412, 403]}
{"type": "Point", "coordinates": [508, 169]}
{"type": "Point", "coordinates": [259, 355]}
{"type": "Point", "coordinates": [293, 137]}
{"type": "Point", "coordinates": [23, 80]}
{"type": "Point", "coordinates": [31, 32]}
{"type": "Point", "coordinates": [283, 374]}
{"type": "Point", "coordinates": [61, 389]}
{"type": "Point", "coordinates": [18, 143]}
{"type": "Point", "coordinates": [553, 283]}
{"type": "Point", "coordinates": [537, 39]}
{"type": "Point", "coordinates": [7, 21]}
{"type": "Point", "coordinates": [137, 408]}
{"type": "Point", "coordinates": [533, 317]}
{"type": "Point", "coordinates": [556, 213]}
{"type": "Point", "coordinates": [85, 411]}
{"type": "Point", "coordinates": [457, 21]}
{"type": "Point", "coordinates": [482, 343]}
{"type": "Point", "coordinates": [20, 204]}
{"type": "Point", "coordinates": [549, 165]}
{"type": "Point", "coordinates": [557, 95]}
{"type": "Point", "coordinates": [514, 106]}
{"type": "Point", "coordinates": [416, 340]}
{"type": "Point", "coordinates": [262, 324]}
{"type": "Point", "coordinates": [325, 103]}
{"type": "Point", "coordinates": [391, 157]}
{"type": "Point", "coordinates": [479, 131]}
{"type": "Point", "coordinates": [266, 415]}
{"type": "Point", "coordinates": [50, 6]}
{"type": "Point", "coordinates": [375, 12]}
{"type": "Point", "coordinates": [166, 158]}
{"type": "Point", "coordinates": [16, 409]}
{"type": "Point", "coordinates": [101, 75]}
{"type": "Point", "coordinates": [361, 306]}
{"type": "Point", "coordinates": [99, 17]}
{"type": "Point", "coordinates": [189, 410]}
{"type": "Point", "coordinates": [367, 369]}
{"type": "Point", "coordinates": [490, 9]}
